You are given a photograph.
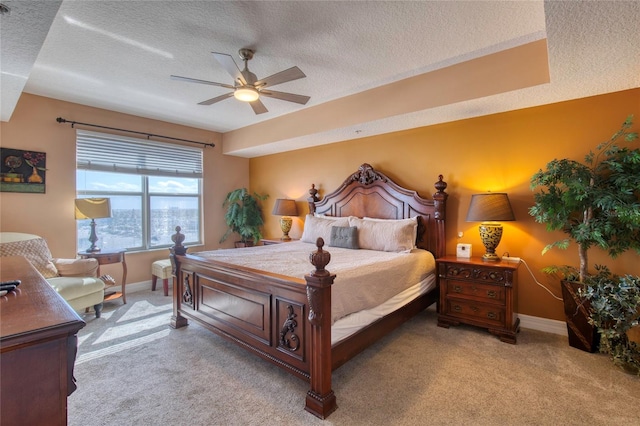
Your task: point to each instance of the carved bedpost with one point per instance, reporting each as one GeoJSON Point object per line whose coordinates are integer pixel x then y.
{"type": "Point", "coordinates": [313, 198]}
{"type": "Point", "coordinates": [321, 401]}
{"type": "Point", "coordinates": [440, 198]}
{"type": "Point", "coordinates": [177, 249]}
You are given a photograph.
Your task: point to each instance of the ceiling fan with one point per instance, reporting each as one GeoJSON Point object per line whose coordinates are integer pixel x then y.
{"type": "Point", "coordinates": [246, 86]}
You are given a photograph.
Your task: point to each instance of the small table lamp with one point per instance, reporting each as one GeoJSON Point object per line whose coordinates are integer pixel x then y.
{"type": "Point", "coordinates": [285, 208]}
{"type": "Point", "coordinates": [93, 208]}
{"type": "Point", "coordinates": [488, 209]}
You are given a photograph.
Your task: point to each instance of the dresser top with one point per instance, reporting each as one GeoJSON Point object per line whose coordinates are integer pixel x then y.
{"type": "Point", "coordinates": [34, 307]}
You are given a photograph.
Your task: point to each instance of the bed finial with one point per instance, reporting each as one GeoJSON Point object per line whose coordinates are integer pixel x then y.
{"type": "Point", "coordinates": [320, 259]}
{"type": "Point", "coordinates": [313, 192]}
{"type": "Point", "coordinates": [177, 239]}
{"type": "Point", "coordinates": [313, 199]}
{"type": "Point", "coordinates": [440, 185]}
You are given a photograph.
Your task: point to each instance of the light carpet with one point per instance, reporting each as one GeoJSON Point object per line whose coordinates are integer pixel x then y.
{"type": "Point", "coordinates": [133, 369]}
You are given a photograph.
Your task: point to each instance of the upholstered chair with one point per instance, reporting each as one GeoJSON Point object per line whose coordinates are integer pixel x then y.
{"type": "Point", "coordinates": [74, 279]}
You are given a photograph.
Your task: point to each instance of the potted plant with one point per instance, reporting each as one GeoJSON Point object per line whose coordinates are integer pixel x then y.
{"type": "Point", "coordinates": [243, 216]}
{"type": "Point", "coordinates": [615, 311]}
{"type": "Point", "coordinates": [596, 203]}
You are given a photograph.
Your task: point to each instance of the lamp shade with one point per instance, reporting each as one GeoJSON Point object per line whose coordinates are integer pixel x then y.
{"type": "Point", "coordinates": [492, 206]}
{"type": "Point", "coordinates": [285, 207]}
{"type": "Point", "coordinates": [93, 208]}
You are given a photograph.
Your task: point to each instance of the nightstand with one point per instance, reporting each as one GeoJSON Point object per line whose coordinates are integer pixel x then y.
{"type": "Point", "coordinates": [267, 242]}
{"type": "Point", "coordinates": [479, 293]}
{"type": "Point", "coordinates": [106, 257]}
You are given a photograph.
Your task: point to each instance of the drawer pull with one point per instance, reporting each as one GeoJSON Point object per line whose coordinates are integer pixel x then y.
{"type": "Point", "coordinates": [457, 308]}
{"type": "Point", "coordinates": [475, 309]}
{"type": "Point", "coordinates": [492, 315]}
{"type": "Point", "coordinates": [457, 289]}
{"type": "Point", "coordinates": [492, 294]}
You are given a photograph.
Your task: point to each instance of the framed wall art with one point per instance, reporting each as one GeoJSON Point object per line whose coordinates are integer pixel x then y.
{"type": "Point", "coordinates": [22, 171]}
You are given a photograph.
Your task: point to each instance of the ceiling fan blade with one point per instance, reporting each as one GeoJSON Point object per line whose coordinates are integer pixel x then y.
{"type": "Point", "coordinates": [258, 107]}
{"type": "Point", "coordinates": [194, 80]}
{"type": "Point", "coordinates": [216, 99]}
{"type": "Point", "coordinates": [290, 74]}
{"type": "Point", "coordinates": [230, 65]}
{"type": "Point", "coordinates": [299, 99]}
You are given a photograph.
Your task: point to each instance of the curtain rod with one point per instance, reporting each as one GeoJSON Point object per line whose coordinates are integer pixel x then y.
{"type": "Point", "coordinates": [148, 135]}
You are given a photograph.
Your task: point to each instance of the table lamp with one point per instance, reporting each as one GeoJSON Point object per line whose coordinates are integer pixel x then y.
{"type": "Point", "coordinates": [490, 208]}
{"type": "Point", "coordinates": [285, 208]}
{"type": "Point", "coordinates": [93, 208]}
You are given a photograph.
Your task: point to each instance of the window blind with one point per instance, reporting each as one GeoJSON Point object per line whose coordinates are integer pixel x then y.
{"type": "Point", "coordinates": [113, 153]}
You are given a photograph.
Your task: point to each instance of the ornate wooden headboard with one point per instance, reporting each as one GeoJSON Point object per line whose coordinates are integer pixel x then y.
{"type": "Point", "coordinates": [370, 193]}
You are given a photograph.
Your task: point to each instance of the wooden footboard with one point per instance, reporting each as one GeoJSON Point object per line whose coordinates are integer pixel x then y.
{"type": "Point", "coordinates": [286, 321]}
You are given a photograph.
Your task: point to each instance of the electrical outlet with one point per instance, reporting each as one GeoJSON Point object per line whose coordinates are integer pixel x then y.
{"type": "Point", "coordinates": [511, 259]}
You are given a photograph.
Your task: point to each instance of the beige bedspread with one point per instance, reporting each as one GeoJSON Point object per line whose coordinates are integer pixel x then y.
{"type": "Point", "coordinates": [364, 278]}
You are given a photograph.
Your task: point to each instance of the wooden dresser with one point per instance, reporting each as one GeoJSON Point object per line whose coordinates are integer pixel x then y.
{"type": "Point", "coordinates": [38, 344]}
{"type": "Point", "coordinates": [479, 293]}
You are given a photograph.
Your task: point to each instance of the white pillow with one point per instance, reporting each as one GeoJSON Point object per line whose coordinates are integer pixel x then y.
{"type": "Point", "coordinates": [386, 234]}
{"type": "Point", "coordinates": [315, 227]}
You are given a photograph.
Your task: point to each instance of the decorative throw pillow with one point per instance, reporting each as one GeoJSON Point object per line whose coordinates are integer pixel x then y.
{"type": "Point", "coordinates": [320, 227]}
{"type": "Point", "coordinates": [386, 234]}
{"type": "Point", "coordinates": [36, 251]}
{"type": "Point", "coordinates": [76, 267]}
{"type": "Point", "coordinates": [344, 236]}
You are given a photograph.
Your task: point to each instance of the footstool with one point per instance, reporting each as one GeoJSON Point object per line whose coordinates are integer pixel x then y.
{"type": "Point", "coordinates": [161, 269]}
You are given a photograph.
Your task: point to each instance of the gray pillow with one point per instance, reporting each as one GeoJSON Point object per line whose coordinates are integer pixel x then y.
{"type": "Point", "coordinates": [344, 236]}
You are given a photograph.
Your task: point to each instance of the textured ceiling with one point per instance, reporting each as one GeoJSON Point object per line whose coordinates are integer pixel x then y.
{"type": "Point", "coordinates": [118, 55]}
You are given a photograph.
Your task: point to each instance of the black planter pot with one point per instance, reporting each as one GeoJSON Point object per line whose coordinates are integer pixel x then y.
{"type": "Point", "coordinates": [241, 244]}
{"type": "Point", "coordinates": [582, 335]}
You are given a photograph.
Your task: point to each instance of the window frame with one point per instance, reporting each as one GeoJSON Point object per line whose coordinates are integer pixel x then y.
{"type": "Point", "coordinates": [145, 194]}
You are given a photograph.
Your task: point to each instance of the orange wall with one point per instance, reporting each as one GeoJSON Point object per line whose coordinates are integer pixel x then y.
{"type": "Point", "coordinates": [33, 126]}
{"type": "Point", "coordinates": [498, 152]}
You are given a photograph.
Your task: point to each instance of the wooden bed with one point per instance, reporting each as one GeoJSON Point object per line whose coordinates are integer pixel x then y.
{"type": "Point", "coordinates": [286, 320]}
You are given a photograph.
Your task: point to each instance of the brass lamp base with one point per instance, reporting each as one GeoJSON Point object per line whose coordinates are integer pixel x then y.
{"type": "Point", "coordinates": [490, 234]}
{"type": "Point", "coordinates": [285, 225]}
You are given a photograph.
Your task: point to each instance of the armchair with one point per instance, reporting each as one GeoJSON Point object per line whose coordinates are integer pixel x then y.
{"type": "Point", "coordinates": [74, 279]}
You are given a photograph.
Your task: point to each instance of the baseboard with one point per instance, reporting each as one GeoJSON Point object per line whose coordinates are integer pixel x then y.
{"type": "Point", "coordinates": [135, 287]}
{"type": "Point", "coordinates": [543, 324]}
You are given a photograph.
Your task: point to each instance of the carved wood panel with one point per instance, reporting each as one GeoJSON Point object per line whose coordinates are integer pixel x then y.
{"type": "Point", "coordinates": [291, 320]}
{"type": "Point", "coordinates": [237, 310]}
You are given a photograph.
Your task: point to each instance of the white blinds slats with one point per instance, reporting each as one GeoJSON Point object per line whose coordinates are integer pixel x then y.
{"type": "Point", "coordinates": [112, 153]}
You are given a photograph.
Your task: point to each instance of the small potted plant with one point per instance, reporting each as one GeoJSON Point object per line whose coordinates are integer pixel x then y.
{"type": "Point", "coordinates": [596, 204]}
{"type": "Point", "coordinates": [243, 216]}
{"type": "Point", "coordinates": [615, 312]}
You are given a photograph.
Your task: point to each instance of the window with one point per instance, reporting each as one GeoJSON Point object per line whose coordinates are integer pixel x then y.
{"type": "Point", "coordinates": [153, 187]}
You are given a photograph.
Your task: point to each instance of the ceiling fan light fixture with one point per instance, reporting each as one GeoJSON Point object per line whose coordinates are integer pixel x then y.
{"type": "Point", "coordinates": [246, 94]}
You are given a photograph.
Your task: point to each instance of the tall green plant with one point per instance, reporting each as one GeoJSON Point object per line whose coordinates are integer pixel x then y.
{"type": "Point", "coordinates": [597, 203]}
{"type": "Point", "coordinates": [244, 214]}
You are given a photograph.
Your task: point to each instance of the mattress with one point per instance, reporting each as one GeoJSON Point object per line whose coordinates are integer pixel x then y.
{"type": "Point", "coordinates": [350, 324]}
{"type": "Point", "coordinates": [364, 278]}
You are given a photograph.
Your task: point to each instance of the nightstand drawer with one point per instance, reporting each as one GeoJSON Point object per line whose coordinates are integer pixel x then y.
{"type": "Point", "coordinates": [477, 273]}
{"type": "Point", "coordinates": [487, 314]}
{"type": "Point", "coordinates": [472, 290]}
